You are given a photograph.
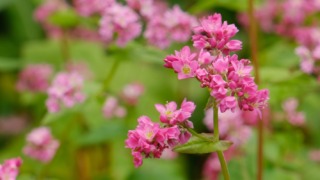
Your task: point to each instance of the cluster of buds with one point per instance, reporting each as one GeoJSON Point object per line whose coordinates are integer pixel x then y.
{"type": "Point", "coordinates": [66, 89]}
{"type": "Point", "coordinates": [228, 79]}
{"type": "Point", "coordinates": [9, 170]}
{"type": "Point", "coordinates": [34, 78]}
{"type": "Point", "coordinates": [149, 139]}
{"type": "Point", "coordinates": [41, 145]}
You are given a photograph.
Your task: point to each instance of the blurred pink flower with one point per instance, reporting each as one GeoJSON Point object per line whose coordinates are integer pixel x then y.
{"type": "Point", "coordinates": [122, 21]}
{"type": "Point", "coordinates": [66, 90]}
{"type": "Point", "coordinates": [111, 108]}
{"type": "Point", "coordinates": [131, 93]}
{"type": "Point", "coordinates": [34, 78]}
{"type": "Point", "coordinates": [9, 170]}
{"type": "Point", "coordinates": [314, 155]}
{"type": "Point", "coordinates": [173, 25]}
{"type": "Point", "coordinates": [293, 116]}
{"type": "Point", "coordinates": [12, 125]}
{"type": "Point", "coordinates": [41, 145]}
{"type": "Point", "coordinates": [90, 7]}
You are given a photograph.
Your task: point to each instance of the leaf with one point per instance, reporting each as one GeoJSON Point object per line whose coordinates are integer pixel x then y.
{"type": "Point", "coordinates": [65, 19]}
{"type": "Point", "coordinates": [107, 132]}
{"type": "Point", "coordinates": [7, 64]}
{"type": "Point", "coordinates": [200, 146]}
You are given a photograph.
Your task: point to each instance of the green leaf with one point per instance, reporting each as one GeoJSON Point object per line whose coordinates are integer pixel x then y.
{"type": "Point", "coordinates": [7, 64]}
{"type": "Point", "coordinates": [200, 146]}
{"type": "Point", "coordinates": [65, 19]}
{"type": "Point", "coordinates": [107, 132]}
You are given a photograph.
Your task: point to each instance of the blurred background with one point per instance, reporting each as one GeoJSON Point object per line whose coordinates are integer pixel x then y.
{"type": "Point", "coordinates": [92, 142]}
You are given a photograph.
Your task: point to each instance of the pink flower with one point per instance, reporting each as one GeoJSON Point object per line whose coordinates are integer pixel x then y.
{"type": "Point", "coordinates": [90, 7]}
{"type": "Point", "coordinates": [34, 78]}
{"type": "Point", "coordinates": [228, 102]}
{"type": "Point", "coordinates": [169, 154]}
{"type": "Point", "coordinates": [9, 170]}
{"type": "Point", "coordinates": [41, 145]}
{"type": "Point", "coordinates": [111, 108]}
{"type": "Point", "coordinates": [122, 21]}
{"type": "Point", "coordinates": [149, 139]}
{"type": "Point", "coordinates": [294, 117]}
{"type": "Point", "coordinates": [131, 93]}
{"type": "Point", "coordinates": [65, 90]}
{"type": "Point", "coordinates": [170, 115]}
{"type": "Point", "coordinates": [172, 25]}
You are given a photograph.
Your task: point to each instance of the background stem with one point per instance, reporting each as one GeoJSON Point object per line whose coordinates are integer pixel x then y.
{"type": "Point", "coordinates": [111, 74]}
{"type": "Point", "coordinates": [253, 35]}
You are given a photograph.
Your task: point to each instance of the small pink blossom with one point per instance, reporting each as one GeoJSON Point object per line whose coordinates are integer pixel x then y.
{"type": "Point", "coordinates": [66, 90]}
{"type": "Point", "coordinates": [131, 93]}
{"type": "Point", "coordinates": [41, 145]}
{"type": "Point", "coordinates": [111, 108]}
{"type": "Point", "coordinates": [9, 170]}
{"type": "Point", "coordinates": [35, 78]}
{"type": "Point", "coordinates": [294, 117]}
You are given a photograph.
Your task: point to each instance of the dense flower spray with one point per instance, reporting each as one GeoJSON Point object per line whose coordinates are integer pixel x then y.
{"type": "Point", "coordinates": [41, 145]}
{"type": "Point", "coordinates": [9, 170]}
{"type": "Point", "coordinates": [149, 139]}
{"type": "Point", "coordinates": [228, 78]}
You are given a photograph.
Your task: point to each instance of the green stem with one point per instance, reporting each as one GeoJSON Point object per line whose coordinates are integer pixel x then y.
{"type": "Point", "coordinates": [111, 74]}
{"type": "Point", "coordinates": [65, 52]}
{"type": "Point", "coordinates": [222, 160]}
{"type": "Point", "coordinates": [194, 133]}
{"type": "Point", "coordinates": [215, 122]}
{"type": "Point", "coordinates": [223, 165]}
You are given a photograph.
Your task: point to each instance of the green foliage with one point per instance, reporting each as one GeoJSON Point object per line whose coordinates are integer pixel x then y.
{"type": "Point", "coordinates": [199, 146]}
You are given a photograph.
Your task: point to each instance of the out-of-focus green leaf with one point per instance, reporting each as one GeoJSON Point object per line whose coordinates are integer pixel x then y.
{"type": "Point", "coordinates": [273, 74]}
{"type": "Point", "coordinates": [66, 18]}
{"type": "Point", "coordinates": [204, 5]}
{"type": "Point", "coordinates": [107, 132]}
{"type": "Point", "coordinates": [281, 174]}
{"type": "Point", "coordinates": [7, 64]}
{"type": "Point", "coordinates": [5, 3]}
{"type": "Point", "coordinates": [199, 146]}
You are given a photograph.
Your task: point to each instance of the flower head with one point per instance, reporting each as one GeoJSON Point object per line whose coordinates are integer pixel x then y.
{"type": "Point", "coordinates": [9, 170]}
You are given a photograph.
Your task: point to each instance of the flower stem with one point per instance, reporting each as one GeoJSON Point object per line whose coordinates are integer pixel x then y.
{"type": "Point", "coordinates": [215, 122]}
{"type": "Point", "coordinates": [65, 51]}
{"type": "Point", "coordinates": [194, 133]}
{"type": "Point", "coordinates": [222, 160]}
{"type": "Point", "coordinates": [253, 35]}
{"type": "Point", "coordinates": [111, 74]}
{"type": "Point", "coordinates": [224, 166]}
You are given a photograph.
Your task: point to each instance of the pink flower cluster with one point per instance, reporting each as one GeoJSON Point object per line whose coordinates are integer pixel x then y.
{"type": "Point", "coordinates": [111, 108]}
{"type": "Point", "coordinates": [9, 170]}
{"type": "Point", "coordinates": [34, 78]}
{"type": "Point", "coordinates": [121, 21]}
{"type": "Point", "coordinates": [66, 89]}
{"type": "Point", "coordinates": [212, 34]}
{"type": "Point", "coordinates": [309, 58]}
{"type": "Point", "coordinates": [228, 79]}
{"type": "Point", "coordinates": [290, 109]}
{"type": "Point", "coordinates": [149, 139]}
{"type": "Point", "coordinates": [232, 127]}
{"type": "Point", "coordinates": [41, 145]}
